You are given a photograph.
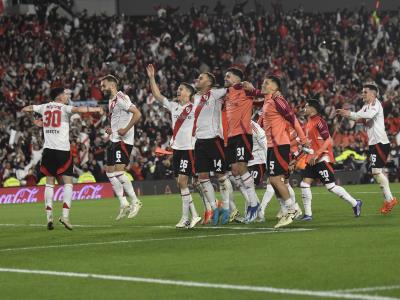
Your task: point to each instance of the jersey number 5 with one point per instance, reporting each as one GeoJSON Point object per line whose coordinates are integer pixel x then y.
{"type": "Point", "coordinates": [52, 118]}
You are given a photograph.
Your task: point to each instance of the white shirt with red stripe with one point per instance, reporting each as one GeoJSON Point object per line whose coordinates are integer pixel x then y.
{"type": "Point", "coordinates": [374, 122]}
{"type": "Point", "coordinates": [208, 124]}
{"type": "Point", "coordinates": [183, 139]}
{"type": "Point", "coordinates": [259, 145]}
{"type": "Point", "coordinates": [55, 124]}
{"type": "Point", "coordinates": [120, 117]}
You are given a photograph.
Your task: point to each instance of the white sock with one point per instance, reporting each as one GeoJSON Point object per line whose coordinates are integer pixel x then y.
{"type": "Point", "coordinates": [118, 189]}
{"type": "Point", "coordinates": [48, 198]}
{"type": "Point", "coordinates": [248, 183]}
{"type": "Point", "coordinates": [199, 187]}
{"type": "Point", "coordinates": [232, 204]}
{"type": "Point", "coordinates": [67, 200]}
{"type": "Point", "coordinates": [384, 184]}
{"type": "Point", "coordinates": [291, 192]}
{"type": "Point", "coordinates": [242, 189]}
{"type": "Point", "coordinates": [283, 205]}
{"type": "Point", "coordinates": [127, 186]}
{"type": "Point", "coordinates": [306, 195]}
{"type": "Point", "coordinates": [186, 198]}
{"type": "Point", "coordinates": [192, 208]}
{"type": "Point", "coordinates": [269, 193]}
{"type": "Point", "coordinates": [225, 186]}
{"type": "Point", "coordinates": [342, 193]}
{"type": "Point", "coordinates": [209, 192]}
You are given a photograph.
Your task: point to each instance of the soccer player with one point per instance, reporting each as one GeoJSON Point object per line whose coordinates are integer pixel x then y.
{"type": "Point", "coordinates": [319, 163]}
{"type": "Point", "coordinates": [239, 108]}
{"type": "Point", "coordinates": [56, 158]}
{"type": "Point", "coordinates": [379, 147]}
{"type": "Point", "coordinates": [276, 114]}
{"type": "Point", "coordinates": [209, 148]}
{"type": "Point", "coordinates": [123, 116]}
{"type": "Point", "coordinates": [182, 143]}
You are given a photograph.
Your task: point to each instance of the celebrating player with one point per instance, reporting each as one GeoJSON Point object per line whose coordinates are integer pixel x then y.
{"type": "Point", "coordinates": [123, 116]}
{"type": "Point", "coordinates": [319, 163]}
{"type": "Point", "coordinates": [209, 147]}
{"type": "Point", "coordinates": [379, 147]}
{"type": "Point", "coordinates": [182, 143]}
{"type": "Point", "coordinates": [56, 158]}
{"type": "Point", "coordinates": [239, 108]}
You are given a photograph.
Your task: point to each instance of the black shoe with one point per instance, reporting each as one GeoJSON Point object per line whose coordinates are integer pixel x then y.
{"type": "Point", "coordinates": [50, 226]}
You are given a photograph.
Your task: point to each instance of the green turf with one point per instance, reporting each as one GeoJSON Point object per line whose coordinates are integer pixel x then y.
{"type": "Point", "coordinates": [342, 252]}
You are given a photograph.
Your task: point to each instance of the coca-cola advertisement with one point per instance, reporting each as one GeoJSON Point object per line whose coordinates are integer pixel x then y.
{"type": "Point", "coordinates": [32, 194]}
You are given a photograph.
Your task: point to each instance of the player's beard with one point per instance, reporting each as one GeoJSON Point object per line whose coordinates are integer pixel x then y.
{"type": "Point", "coordinates": [107, 94]}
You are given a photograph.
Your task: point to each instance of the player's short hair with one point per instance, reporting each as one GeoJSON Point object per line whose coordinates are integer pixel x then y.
{"type": "Point", "coordinates": [111, 78]}
{"type": "Point", "coordinates": [372, 86]}
{"type": "Point", "coordinates": [237, 72]}
{"type": "Point", "coordinates": [55, 92]}
{"type": "Point", "coordinates": [190, 88]}
{"type": "Point", "coordinates": [211, 77]}
{"type": "Point", "coordinates": [316, 104]}
{"type": "Point", "coordinates": [275, 79]}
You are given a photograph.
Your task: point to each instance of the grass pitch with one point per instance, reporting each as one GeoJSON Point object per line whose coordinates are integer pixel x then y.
{"type": "Point", "coordinates": [334, 256]}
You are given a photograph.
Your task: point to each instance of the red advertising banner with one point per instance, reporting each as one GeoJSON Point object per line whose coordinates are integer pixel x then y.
{"type": "Point", "coordinates": [32, 194]}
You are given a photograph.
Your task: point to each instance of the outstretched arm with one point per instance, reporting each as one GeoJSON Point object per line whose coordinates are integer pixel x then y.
{"type": "Point", "coordinates": [87, 109]}
{"type": "Point", "coordinates": [28, 108]}
{"type": "Point", "coordinates": [153, 85]}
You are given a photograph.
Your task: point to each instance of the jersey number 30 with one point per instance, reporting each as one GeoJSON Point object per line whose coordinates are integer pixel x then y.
{"type": "Point", "coordinates": [52, 118]}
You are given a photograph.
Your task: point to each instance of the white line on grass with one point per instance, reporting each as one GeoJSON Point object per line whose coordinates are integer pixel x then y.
{"type": "Point", "coordinates": [370, 289]}
{"type": "Point", "coordinates": [154, 240]}
{"type": "Point", "coordinates": [265, 289]}
{"type": "Point", "coordinates": [43, 225]}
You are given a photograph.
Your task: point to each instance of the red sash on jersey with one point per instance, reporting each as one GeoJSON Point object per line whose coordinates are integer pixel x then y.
{"type": "Point", "coordinates": [199, 107]}
{"type": "Point", "coordinates": [181, 119]}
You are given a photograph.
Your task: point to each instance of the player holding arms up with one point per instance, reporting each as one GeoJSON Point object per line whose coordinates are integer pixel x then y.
{"type": "Point", "coordinates": [379, 147]}
{"type": "Point", "coordinates": [123, 116]}
{"type": "Point", "coordinates": [56, 158]}
{"type": "Point", "coordinates": [182, 143]}
{"type": "Point", "coordinates": [319, 163]}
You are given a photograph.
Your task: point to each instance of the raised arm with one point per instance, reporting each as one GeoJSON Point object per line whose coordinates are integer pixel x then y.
{"type": "Point", "coordinates": [365, 113]}
{"type": "Point", "coordinates": [153, 85]}
{"type": "Point", "coordinates": [136, 115]}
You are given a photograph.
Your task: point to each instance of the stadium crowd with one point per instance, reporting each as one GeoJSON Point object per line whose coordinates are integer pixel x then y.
{"type": "Point", "coordinates": [324, 55]}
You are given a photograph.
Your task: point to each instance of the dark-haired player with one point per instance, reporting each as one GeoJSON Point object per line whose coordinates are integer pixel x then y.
{"type": "Point", "coordinates": [182, 143]}
{"type": "Point", "coordinates": [379, 147]}
{"type": "Point", "coordinates": [123, 116]}
{"type": "Point", "coordinates": [56, 158]}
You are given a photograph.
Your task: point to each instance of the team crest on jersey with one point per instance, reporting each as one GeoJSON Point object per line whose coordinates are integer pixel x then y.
{"type": "Point", "coordinates": [188, 109]}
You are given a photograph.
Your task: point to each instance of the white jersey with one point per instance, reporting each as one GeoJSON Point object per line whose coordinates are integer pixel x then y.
{"type": "Point", "coordinates": [185, 113]}
{"type": "Point", "coordinates": [259, 145]}
{"type": "Point", "coordinates": [55, 124]}
{"type": "Point", "coordinates": [120, 117]}
{"type": "Point", "coordinates": [374, 122]}
{"type": "Point", "coordinates": [209, 120]}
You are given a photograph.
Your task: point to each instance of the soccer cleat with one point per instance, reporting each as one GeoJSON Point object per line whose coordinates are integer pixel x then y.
{"type": "Point", "coordinates": [235, 213]}
{"type": "Point", "coordinates": [207, 217]}
{"type": "Point", "coordinates": [66, 223]}
{"type": "Point", "coordinates": [388, 206]}
{"type": "Point", "coordinates": [306, 218]}
{"type": "Point", "coordinates": [357, 208]}
{"type": "Point", "coordinates": [225, 216]}
{"type": "Point", "coordinates": [252, 212]}
{"type": "Point", "coordinates": [286, 220]}
{"type": "Point", "coordinates": [50, 225]}
{"type": "Point", "coordinates": [123, 212]}
{"type": "Point", "coordinates": [194, 221]}
{"type": "Point", "coordinates": [298, 213]}
{"type": "Point", "coordinates": [183, 223]}
{"type": "Point", "coordinates": [135, 209]}
{"type": "Point", "coordinates": [215, 217]}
